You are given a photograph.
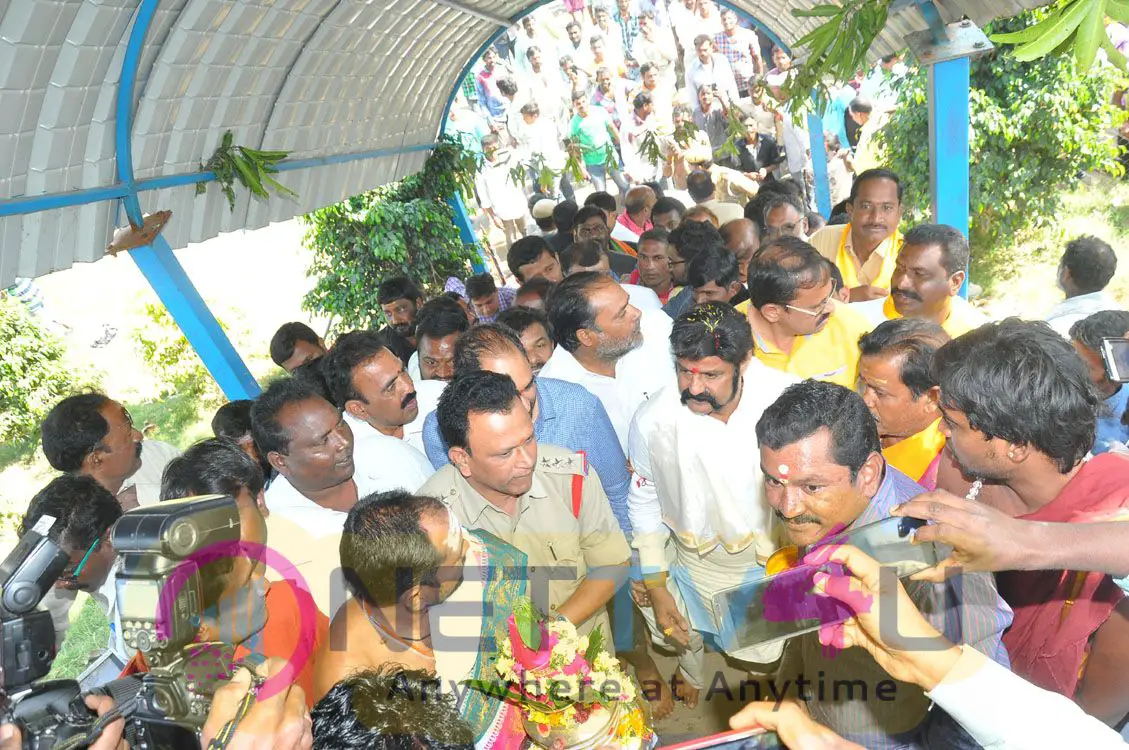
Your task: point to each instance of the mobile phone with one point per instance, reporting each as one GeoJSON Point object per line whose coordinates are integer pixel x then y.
{"type": "Point", "coordinates": [740, 739]}
{"type": "Point", "coordinates": [1115, 355]}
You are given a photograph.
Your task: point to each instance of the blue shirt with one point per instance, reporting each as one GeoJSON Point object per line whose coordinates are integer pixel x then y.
{"type": "Point", "coordinates": [1110, 430]}
{"type": "Point", "coordinates": [572, 418]}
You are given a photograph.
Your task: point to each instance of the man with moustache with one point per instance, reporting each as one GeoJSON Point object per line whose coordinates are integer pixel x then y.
{"type": "Point", "coordinates": [539, 498]}
{"type": "Point", "coordinates": [696, 500]}
{"type": "Point", "coordinates": [866, 248]}
{"type": "Point", "coordinates": [928, 274]}
{"type": "Point", "coordinates": [742, 238]}
{"type": "Point", "coordinates": [797, 325]}
{"type": "Point", "coordinates": [823, 473]}
{"type": "Point", "coordinates": [897, 383]}
{"type": "Point", "coordinates": [653, 264]}
{"type": "Point", "coordinates": [400, 299]}
{"type": "Point", "coordinates": [532, 327]}
{"type": "Point", "coordinates": [380, 403]}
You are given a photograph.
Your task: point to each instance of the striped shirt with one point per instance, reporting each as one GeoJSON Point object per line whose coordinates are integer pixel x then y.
{"type": "Point", "coordinates": [844, 687]}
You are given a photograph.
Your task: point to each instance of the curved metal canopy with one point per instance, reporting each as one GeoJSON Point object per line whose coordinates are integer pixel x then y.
{"type": "Point", "coordinates": [356, 91]}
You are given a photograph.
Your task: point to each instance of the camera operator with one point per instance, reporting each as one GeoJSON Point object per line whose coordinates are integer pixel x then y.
{"type": "Point", "coordinates": [84, 511]}
{"type": "Point", "coordinates": [270, 618]}
{"type": "Point", "coordinates": [280, 721]}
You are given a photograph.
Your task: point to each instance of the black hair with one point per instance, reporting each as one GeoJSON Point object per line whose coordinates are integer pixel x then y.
{"type": "Point", "coordinates": [396, 343]}
{"type": "Point", "coordinates": [233, 420]}
{"type": "Point", "coordinates": [480, 285]}
{"type": "Point", "coordinates": [809, 406]}
{"type": "Point", "coordinates": [479, 392]}
{"type": "Point", "coordinates": [569, 309]}
{"type": "Point", "coordinates": [312, 375]}
{"type": "Point", "coordinates": [389, 709]}
{"type": "Point", "coordinates": [642, 99]}
{"type": "Point", "coordinates": [657, 234]}
{"type": "Point", "coordinates": [440, 317]}
{"type": "Point", "coordinates": [837, 282]}
{"type": "Point", "coordinates": [286, 338]}
{"type": "Point", "coordinates": [530, 108]}
{"type": "Point", "coordinates": [590, 211]}
{"type": "Point", "coordinates": [1107, 324]}
{"type": "Point", "coordinates": [712, 329]}
{"type": "Point", "coordinates": [954, 247]}
{"type": "Point", "coordinates": [83, 509]}
{"type": "Point", "coordinates": [1022, 382]}
{"type": "Point", "coordinates": [216, 466]}
{"type": "Point", "coordinates": [879, 173]}
{"type": "Point", "coordinates": [564, 215]}
{"type": "Point", "coordinates": [781, 268]}
{"type": "Point", "coordinates": [666, 204]}
{"type": "Point", "coordinates": [815, 221]}
{"type": "Point", "coordinates": [398, 287]}
{"type": "Point", "coordinates": [520, 318]}
{"type": "Point", "coordinates": [1091, 263]}
{"type": "Point", "coordinates": [507, 86]}
{"type": "Point", "coordinates": [647, 66]}
{"type": "Point", "coordinates": [915, 341]}
{"type": "Point", "coordinates": [540, 286]}
{"type": "Point", "coordinates": [485, 340]}
{"type": "Point", "coordinates": [527, 250]}
{"type": "Point", "coordinates": [349, 352]}
{"type": "Point", "coordinates": [771, 201]}
{"type": "Point", "coordinates": [719, 266]}
{"type": "Point", "coordinates": [268, 433]}
{"type": "Point", "coordinates": [72, 430]}
{"type": "Point", "coordinates": [700, 185]}
{"type": "Point", "coordinates": [585, 253]}
{"type": "Point", "coordinates": [692, 237]}
{"type": "Point", "coordinates": [702, 38]}
{"type": "Point", "coordinates": [384, 549]}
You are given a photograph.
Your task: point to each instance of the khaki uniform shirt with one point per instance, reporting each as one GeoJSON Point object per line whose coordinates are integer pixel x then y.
{"type": "Point", "coordinates": [561, 548]}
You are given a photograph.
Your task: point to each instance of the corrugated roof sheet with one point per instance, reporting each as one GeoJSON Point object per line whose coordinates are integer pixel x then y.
{"type": "Point", "coordinates": [313, 77]}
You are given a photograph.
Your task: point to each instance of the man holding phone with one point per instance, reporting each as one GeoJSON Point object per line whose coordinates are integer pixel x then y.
{"type": "Point", "coordinates": [1087, 336]}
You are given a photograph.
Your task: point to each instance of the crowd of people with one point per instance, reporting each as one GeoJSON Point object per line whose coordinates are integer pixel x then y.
{"type": "Point", "coordinates": [683, 382]}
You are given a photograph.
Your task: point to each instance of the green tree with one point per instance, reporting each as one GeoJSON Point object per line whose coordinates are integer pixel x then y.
{"type": "Point", "coordinates": [1036, 127]}
{"type": "Point", "coordinates": [33, 374]}
{"type": "Point", "coordinates": [404, 228]}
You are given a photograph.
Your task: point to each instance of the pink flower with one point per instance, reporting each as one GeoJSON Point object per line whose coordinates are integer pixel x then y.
{"type": "Point", "coordinates": [526, 657]}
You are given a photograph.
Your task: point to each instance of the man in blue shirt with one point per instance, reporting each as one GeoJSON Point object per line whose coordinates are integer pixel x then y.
{"type": "Point", "coordinates": [564, 414]}
{"type": "Point", "coordinates": [1086, 335]}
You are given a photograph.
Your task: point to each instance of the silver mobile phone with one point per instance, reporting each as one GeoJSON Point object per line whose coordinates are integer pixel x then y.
{"type": "Point", "coordinates": [1115, 356]}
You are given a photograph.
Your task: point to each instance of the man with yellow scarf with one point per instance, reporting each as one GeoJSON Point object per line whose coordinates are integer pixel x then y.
{"type": "Point", "coordinates": [866, 248]}
{"type": "Point", "coordinates": [928, 273]}
{"type": "Point", "coordinates": [897, 385]}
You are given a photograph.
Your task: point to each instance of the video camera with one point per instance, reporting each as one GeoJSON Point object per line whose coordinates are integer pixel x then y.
{"type": "Point", "coordinates": [158, 590]}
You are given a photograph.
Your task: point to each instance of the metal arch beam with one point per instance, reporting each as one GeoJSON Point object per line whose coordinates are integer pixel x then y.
{"type": "Point", "coordinates": [157, 261]}
{"type": "Point", "coordinates": [483, 15]}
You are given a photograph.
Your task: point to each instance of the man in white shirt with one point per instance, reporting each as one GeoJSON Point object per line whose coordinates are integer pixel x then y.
{"type": "Point", "coordinates": [710, 69]}
{"type": "Point", "coordinates": [311, 447]}
{"type": "Point", "coordinates": [696, 499]}
{"type": "Point", "coordinates": [701, 187]}
{"type": "Point", "coordinates": [528, 36]}
{"type": "Point", "coordinates": [636, 165]}
{"type": "Point", "coordinates": [607, 345]}
{"type": "Point", "coordinates": [1083, 273]}
{"type": "Point", "coordinates": [378, 397]}
{"type": "Point", "coordinates": [502, 201]}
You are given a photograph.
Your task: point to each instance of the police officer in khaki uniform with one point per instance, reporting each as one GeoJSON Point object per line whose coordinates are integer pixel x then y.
{"type": "Point", "coordinates": [539, 498]}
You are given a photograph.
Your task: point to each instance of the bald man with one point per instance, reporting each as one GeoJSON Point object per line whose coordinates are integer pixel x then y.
{"type": "Point", "coordinates": [742, 239]}
{"type": "Point", "coordinates": [636, 216]}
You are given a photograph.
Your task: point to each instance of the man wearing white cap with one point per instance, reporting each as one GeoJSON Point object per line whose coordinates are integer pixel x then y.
{"type": "Point", "coordinates": [542, 211]}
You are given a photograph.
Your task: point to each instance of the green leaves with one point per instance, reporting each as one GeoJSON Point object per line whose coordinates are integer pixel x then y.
{"type": "Point", "coordinates": [595, 645]}
{"type": "Point", "coordinates": [404, 228]}
{"type": "Point", "coordinates": [836, 48]}
{"type": "Point", "coordinates": [1077, 24]}
{"type": "Point", "coordinates": [528, 622]}
{"type": "Point", "coordinates": [252, 168]}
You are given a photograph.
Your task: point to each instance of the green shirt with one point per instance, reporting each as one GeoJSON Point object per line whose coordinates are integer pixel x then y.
{"type": "Point", "coordinates": [592, 134]}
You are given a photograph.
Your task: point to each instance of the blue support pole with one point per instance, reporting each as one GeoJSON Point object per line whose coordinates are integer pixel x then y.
{"type": "Point", "coordinates": [156, 260]}
{"type": "Point", "coordinates": [819, 165]}
{"type": "Point", "coordinates": [184, 303]}
{"type": "Point", "coordinates": [948, 145]}
{"type": "Point", "coordinates": [466, 230]}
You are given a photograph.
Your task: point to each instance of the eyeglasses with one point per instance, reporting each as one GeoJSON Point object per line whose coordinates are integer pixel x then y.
{"type": "Point", "coordinates": [816, 311]}
{"type": "Point", "coordinates": [72, 577]}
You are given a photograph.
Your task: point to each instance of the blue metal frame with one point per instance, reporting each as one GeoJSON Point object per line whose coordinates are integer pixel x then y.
{"type": "Point", "coordinates": [157, 261]}
{"type": "Point", "coordinates": [466, 231]}
{"type": "Point", "coordinates": [948, 144]}
{"type": "Point", "coordinates": [819, 165]}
